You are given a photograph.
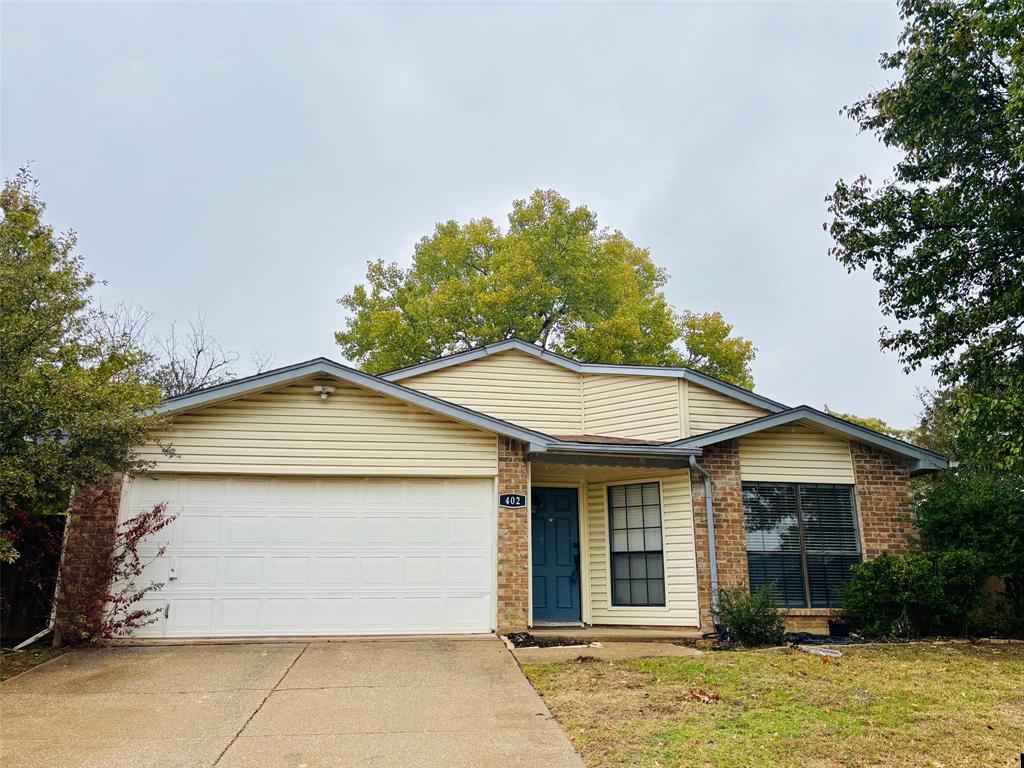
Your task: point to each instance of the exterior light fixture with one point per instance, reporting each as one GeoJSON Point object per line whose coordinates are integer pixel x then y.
{"type": "Point", "coordinates": [324, 390]}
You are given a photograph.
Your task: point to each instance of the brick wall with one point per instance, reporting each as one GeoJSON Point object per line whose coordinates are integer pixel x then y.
{"type": "Point", "coordinates": [92, 520]}
{"type": "Point", "coordinates": [722, 462]}
{"type": "Point", "coordinates": [884, 501]}
{"type": "Point", "coordinates": [513, 539]}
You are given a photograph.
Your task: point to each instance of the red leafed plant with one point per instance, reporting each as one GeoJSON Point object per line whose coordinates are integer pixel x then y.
{"type": "Point", "coordinates": [103, 603]}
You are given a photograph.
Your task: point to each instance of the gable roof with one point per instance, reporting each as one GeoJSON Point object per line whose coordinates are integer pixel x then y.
{"type": "Point", "coordinates": [537, 442]}
{"type": "Point", "coordinates": [518, 345]}
{"type": "Point", "coordinates": [922, 460]}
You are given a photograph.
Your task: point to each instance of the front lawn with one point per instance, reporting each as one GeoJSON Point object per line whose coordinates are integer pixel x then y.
{"type": "Point", "coordinates": [937, 705]}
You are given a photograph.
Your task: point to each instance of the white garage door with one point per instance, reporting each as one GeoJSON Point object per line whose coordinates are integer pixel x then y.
{"type": "Point", "coordinates": [320, 556]}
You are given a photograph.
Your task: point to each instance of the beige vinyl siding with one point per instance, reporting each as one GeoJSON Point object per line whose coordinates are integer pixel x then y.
{"type": "Point", "coordinates": [710, 410]}
{"type": "Point", "coordinates": [642, 407]}
{"type": "Point", "coordinates": [795, 454]}
{"type": "Point", "coordinates": [291, 431]}
{"type": "Point", "coordinates": [681, 607]}
{"type": "Point", "coordinates": [512, 386]}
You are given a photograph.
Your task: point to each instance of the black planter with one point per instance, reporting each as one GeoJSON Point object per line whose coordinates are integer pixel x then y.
{"type": "Point", "coordinates": [838, 628]}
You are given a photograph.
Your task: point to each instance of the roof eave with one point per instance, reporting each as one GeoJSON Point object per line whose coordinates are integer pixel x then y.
{"type": "Point", "coordinates": [922, 461]}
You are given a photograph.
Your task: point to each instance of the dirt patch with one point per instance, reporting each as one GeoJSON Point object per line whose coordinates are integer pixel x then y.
{"type": "Point", "coordinates": [15, 662]}
{"type": "Point", "coordinates": [526, 640]}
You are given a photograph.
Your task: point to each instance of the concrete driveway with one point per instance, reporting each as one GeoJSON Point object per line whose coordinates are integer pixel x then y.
{"type": "Point", "coordinates": [417, 702]}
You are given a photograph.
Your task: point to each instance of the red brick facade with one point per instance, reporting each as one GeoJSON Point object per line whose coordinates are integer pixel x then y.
{"type": "Point", "coordinates": [513, 539]}
{"type": "Point", "coordinates": [722, 462]}
{"type": "Point", "coordinates": [89, 537]}
{"type": "Point", "coordinates": [884, 501]}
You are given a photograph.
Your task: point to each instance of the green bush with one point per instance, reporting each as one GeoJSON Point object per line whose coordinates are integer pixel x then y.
{"type": "Point", "coordinates": [920, 594]}
{"type": "Point", "coordinates": [753, 618]}
{"type": "Point", "coordinates": [982, 512]}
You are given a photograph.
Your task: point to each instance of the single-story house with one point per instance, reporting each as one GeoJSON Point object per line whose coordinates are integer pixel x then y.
{"type": "Point", "coordinates": [497, 489]}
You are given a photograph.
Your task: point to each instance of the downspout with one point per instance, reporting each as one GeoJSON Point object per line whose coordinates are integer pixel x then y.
{"type": "Point", "coordinates": [709, 516]}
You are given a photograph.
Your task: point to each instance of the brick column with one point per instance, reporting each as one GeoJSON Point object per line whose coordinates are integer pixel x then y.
{"type": "Point", "coordinates": [513, 539]}
{"type": "Point", "coordinates": [884, 501]}
{"type": "Point", "coordinates": [722, 462]}
{"type": "Point", "coordinates": [89, 538]}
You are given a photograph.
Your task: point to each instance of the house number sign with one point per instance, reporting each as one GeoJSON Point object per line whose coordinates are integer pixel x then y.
{"type": "Point", "coordinates": [511, 500]}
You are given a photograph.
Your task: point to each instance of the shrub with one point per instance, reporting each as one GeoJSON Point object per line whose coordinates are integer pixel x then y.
{"type": "Point", "coordinates": [982, 512]}
{"type": "Point", "coordinates": [753, 618]}
{"type": "Point", "coordinates": [919, 594]}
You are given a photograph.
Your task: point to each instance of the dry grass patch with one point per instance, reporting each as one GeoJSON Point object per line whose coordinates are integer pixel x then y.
{"type": "Point", "coordinates": [940, 705]}
{"type": "Point", "coordinates": [15, 662]}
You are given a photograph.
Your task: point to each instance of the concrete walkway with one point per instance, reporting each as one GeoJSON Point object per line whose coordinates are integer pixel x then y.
{"type": "Point", "coordinates": [421, 702]}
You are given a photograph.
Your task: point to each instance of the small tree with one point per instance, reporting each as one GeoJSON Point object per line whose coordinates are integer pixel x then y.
{"type": "Point", "coordinates": [72, 403]}
{"type": "Point", "coordinates": [103, 603]}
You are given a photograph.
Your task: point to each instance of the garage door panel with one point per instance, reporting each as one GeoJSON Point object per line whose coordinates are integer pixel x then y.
{"type": "Point", "coordinates": [468, 532]}
{"type": "Point", "coordinates": [382, 531]}
{"type": "Point", "coordinates": [311, 556]}
{"type": "Point", "coordinates": [337, 531]}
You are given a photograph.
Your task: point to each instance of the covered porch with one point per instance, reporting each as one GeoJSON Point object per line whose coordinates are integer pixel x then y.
{"type": "Point", "coordinates": [612, 546]}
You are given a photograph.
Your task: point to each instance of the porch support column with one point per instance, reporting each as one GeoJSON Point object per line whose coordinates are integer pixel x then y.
{"type": "Point", "coordinates": [513, 539]}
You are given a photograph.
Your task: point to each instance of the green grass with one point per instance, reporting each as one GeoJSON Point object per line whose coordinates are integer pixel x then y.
{"type": "Point", "coordinates": [937, 705]}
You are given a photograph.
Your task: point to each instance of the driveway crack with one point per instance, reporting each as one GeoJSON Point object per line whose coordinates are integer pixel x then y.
{"type": "Point", "coordinates": [264, 701]}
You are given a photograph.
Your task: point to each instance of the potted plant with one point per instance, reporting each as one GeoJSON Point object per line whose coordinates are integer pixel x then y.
{"type": "Point", "coordinates": [837, 624]}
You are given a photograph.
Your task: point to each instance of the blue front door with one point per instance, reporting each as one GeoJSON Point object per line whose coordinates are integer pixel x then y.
{"type": "Point", "coordinates": [556, 554]}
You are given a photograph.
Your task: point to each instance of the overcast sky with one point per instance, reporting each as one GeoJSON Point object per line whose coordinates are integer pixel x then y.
{"type": "Point", "coordinates": [245, 160]}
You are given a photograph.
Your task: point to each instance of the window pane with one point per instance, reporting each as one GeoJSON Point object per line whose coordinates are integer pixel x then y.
{"type": "Point", "coordinates": [652, 539]}
{"type": "Point", "coordinates": [620, 567]}
{"type": "Point", "coordinates": [621, 596]}
{"type": "Point", "coordinates": [636, 540]}
{"type": "Point", "coordinates": [619, 541]}
{"type": "Point", "coordinates": [650, 494]}
{"type": "Point", "coordinates": [654, 569]}
{"type": "Point", "coordinates": [656, 591]}
{"type": "Point", "coordinates": [617, 494]}
{"type": "Point", "coordinates": [634, 496]}
{"type": "Point", "coordinates": [827, 574]}
{"type": "Point", "coordinates": [635, 517]}
{"type": "Point", "coordinates": [618, 518]}
{"type": "Point", "coordinates": [638, 566]}
{"type": "Point", "coordinates": [769, 515]}
{"type": "Point", "coordinates": [783, 572]}
{"type": "Point", "coordinates": [638, 592]}
{"type": "Point", "coordinates": [652, 517]}
{"type": "Point", "coordinates": [829, 518]}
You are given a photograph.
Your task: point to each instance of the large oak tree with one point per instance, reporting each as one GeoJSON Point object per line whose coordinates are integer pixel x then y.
{"type": "Point", "coordinates": [552, 277]}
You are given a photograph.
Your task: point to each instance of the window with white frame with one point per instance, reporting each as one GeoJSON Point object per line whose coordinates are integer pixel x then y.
{"type": "Point", "coordinates": [637, 549]}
